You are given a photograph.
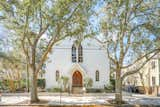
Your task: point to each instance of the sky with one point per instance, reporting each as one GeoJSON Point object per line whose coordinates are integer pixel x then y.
{"type": "Point", "coordinates": [93, 19]}
{"type": "Point", "coordinates": [2, 32]}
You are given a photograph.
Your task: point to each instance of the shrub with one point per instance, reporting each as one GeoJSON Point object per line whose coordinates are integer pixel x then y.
{"type": "Point", "coordinates": [55, 89]}
{"type": "Point", "coordinates": [65, 81]}
{"type": "Point", "coordinates": [111, 86]}
{"type": "Point", "coordinates": [12, 85]}
{"type": "Point", "coordinates": [88, 82]}
{"type": "Point", "coordinates": [5, 84]}
{"type": "Point", "coordinates": [41, 83]}
{"type": "Point", "coordinates": [23, 83]}
{"type": "Point", "coordinates": [112, 81]}
{"type": "Point", "coordinates": [1, 85]}
{"type": "Point", "coordinates": [94, 90]}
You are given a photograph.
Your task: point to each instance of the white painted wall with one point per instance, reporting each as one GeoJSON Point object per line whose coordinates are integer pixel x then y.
{"type": "Point", "coordinates": [94, 59]}
{"type": "Point", "coordinates": [148, 73]}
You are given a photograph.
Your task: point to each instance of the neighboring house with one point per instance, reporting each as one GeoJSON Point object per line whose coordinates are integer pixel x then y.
{"type": "Point", "coordinates": [149, 75]}
{"type": "Point", "coordinates": [77, 61]}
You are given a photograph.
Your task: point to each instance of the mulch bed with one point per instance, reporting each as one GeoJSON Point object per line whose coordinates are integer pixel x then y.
{"type": "Point", "coordinates": [113, 101]}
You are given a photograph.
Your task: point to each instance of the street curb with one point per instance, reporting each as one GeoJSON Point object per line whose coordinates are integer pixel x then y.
{"type": "Point", "coordinates": [74, 105]}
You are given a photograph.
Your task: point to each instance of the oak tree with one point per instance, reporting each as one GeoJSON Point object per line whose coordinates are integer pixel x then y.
{"type": "Point", "coordinates": [40, 24]}
{"type": "Point", "coordinates": [128, 36]}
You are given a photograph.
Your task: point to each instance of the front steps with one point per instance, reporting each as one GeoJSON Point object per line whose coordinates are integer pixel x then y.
{"type": "Point", "coordinates": [77, 90]}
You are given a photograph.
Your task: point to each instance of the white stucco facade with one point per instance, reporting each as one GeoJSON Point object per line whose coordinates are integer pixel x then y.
{"type": "Point", "coordinates": [150, 74]}
{"type": "Point", "coordinates": [94, 58]}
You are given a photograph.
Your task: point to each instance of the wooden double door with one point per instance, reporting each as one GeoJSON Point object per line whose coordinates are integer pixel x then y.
{"type": "Point", "coordinates": [77, 79]}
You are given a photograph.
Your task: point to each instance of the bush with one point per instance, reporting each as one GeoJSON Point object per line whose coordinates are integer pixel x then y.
{"type": "Point", "coordinates": [55, 89]}
{"type": "Point", "coordinates": [1, 84]}
{"type": "Point", "coordinates": [94, 90]}
{"type": "Point", "coordinates": [110, 87]}
{"type": "Point", "coordinates": [112, 82]}
{"type": "Point", "coordinates": [41, 83]}
{"type": "Point", "coordinates": [88, 82]}
{"type": "Point", "coordinates": [12, 85]}
{"type": "Point", "coordinates": [5, 84]}
{"type": "Point", "coordinates": [23, 83]}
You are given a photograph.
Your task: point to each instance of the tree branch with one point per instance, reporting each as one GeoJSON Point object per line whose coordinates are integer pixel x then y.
{"type": "Point", "coordinates": [139, 68]}
{"type": "Point", "coordinates": [40, 34]}
{"type": "Point", "coordinates": [25, 50]}
{"type": "Point", "coordinates": [139, 58]}
{"type": "Point", "coordinates": [54, 39]}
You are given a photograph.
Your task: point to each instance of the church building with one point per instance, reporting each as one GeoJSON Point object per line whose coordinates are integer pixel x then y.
{"type": "Point", "coordinates": [77, 61]}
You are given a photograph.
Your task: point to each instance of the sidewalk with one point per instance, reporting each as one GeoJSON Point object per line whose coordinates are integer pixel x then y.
{"type": "Point", "coordinates": [77, 99]}
{"type": "Point", "coordinates": [57, 94]}
{"type": "Point", "coordinates": [56, 99]}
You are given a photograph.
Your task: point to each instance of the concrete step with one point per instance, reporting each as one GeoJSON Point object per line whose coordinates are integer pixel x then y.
{"type": "Point", "coordinates": [77, 90]}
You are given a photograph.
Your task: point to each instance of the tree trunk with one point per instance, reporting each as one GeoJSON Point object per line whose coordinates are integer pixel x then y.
{"type": "Point", "coordinates": [12, 87]}
{"type": "Point", "coordinates": [27, 85]}
{"type": "Point", "coordinates": [34, 96]}
{"type": "Point", "coordinates": [118, 94]}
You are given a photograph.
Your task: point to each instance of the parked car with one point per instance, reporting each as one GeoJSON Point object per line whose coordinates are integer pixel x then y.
{"type": "Point", "coordinates": [140, 89]}
{"type": "Point", "coordinates": [130, 88]}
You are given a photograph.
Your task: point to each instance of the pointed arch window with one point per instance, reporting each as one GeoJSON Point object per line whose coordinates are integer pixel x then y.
{"type": "Point", "coordinates": [74, 53]}
{"type": "Point", "coordinates": [80, 53]}
{"type": "Point", "coordinates": [57, 75]}
{"type": "Point", "coordinates": [97, 75]}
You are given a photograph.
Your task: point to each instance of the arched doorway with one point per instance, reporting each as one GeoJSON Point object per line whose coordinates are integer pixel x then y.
{"type": "Point", "coordinates": [77, 79]}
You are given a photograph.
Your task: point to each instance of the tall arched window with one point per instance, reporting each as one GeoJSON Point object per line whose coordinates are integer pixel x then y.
{"type": "Point", "coordinates": [153, 64]}
{"type": "Point", "coordinates": [80, 53]}
{"type": "Point", "coordinates": [74, 53]}
{"type": "Point", "coordinates": [97, 75]}
{"type": "Point", "coordinates": [57, 75]}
